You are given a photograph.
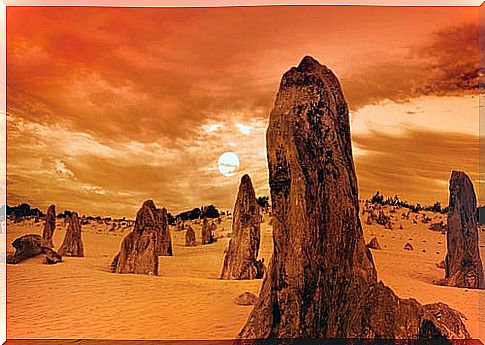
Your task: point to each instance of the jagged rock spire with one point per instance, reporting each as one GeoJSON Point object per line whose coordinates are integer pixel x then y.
{"type": "Point", "coordinates": [322, 281]}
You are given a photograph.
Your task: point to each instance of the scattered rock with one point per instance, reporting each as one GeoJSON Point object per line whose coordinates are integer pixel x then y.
{"type": "Point", "coordinates": [73, 244]}
{"type": "Point", "coordinates": [408, 246]}
{"type": "Point", "coordinates": [140, 248]}
{"type": "Point", "coordinates": [438, 226]}
{"type": "Point", "coordinates": [207, 232]}
{"type": "Point", "coordinates": [50, 225]}
{"type": "Point", "coordinates": [246, 298]}
{"type": "Point", "coordinates": [31, 245]}
{"type": "Point", "coordinates": [162, 231]}
{"type": "Point", "coordinates": [52, 257]}
{"type": "Point", "coordinates": [190, 240]}
{"type": "Point", "coordinates": [240, 260]}
{"type": "Point", "coordinates": [463, 265]}
{"type": "Point", "coordinates": [374, 244]}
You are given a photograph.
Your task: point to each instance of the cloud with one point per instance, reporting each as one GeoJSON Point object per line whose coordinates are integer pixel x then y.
{"type": "Point", "coordinates": [416, 165]}
{"type": "Point", "coordinates": [110, 106]}
{"type": "Point", "coordinates": [114, 75]}
{"type": "Point", "coordinates": [446, 64]}
{"type": "Point", "coordinates": [52, 164]}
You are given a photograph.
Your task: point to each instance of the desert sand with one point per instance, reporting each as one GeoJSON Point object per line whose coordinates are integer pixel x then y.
{"type": "Point", "coordinates": [79, 298]}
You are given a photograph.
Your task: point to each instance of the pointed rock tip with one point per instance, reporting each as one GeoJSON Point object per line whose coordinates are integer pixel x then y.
{"type": "Point", "coordinates": [308, 63]}
{"type": "Point", "coordinates": [148, 203]}
{"type": "Point", "coordinates": [245, 179]}
{"type": "Point", "coordinates": [459, 175]}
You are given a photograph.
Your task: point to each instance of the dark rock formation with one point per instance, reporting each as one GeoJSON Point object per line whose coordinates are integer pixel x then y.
{"type": "Point", "coordinates": [50, 225]}
{"type": "Point", "coordinates": [73, 244]}
{"type": "Point", "coordinates": [321, 281]}
{"type": "Point", "coordinates": [51, 256]}
{"type": "Point", "coordinates": [374, 244]}
{"type": "Point", "coordinates": [463, 265]}
{"type": "Point", "coordinates": [162, 230]}
{"type": "Point", "coordinates": [149, 239]}
{"type": "Point", "coordinates": [190, 240]}
{"type": "Point", "coordinates": [246, 298]}
{"type": "Point", "coordinates": [31, 245]}
{"type": "Point", "coordinates": [241, 258]}
{"type": "Point", "coordinates": [207, 232]}
{"type": "Point", "coordinates": [408, 246]}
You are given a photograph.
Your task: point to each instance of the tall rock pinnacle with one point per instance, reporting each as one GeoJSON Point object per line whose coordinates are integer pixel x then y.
{"type": "Point", "coordinates": [50, 226]}
{"type": "Point", "coordinates": [322, 281]}
{"type": "Point", "coordinates": [73, 243]}
{"type": "Point", "coordinates": [463, 265]}
{"type": "Point", "coordinates": [140, 248]}
{"type": "Point", "coordinates": [241, 261]}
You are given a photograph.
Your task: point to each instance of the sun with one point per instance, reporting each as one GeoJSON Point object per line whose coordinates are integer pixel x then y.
{"type": "Point", "coordinates": [228, 163]}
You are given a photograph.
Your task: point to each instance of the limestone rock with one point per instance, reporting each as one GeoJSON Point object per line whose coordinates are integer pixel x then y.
{"type": "Point", "coordinates": [321, 281]}
{"type": "Point", "coordinates": [164, 239]}
{"type": "Point", "coordinates": [73, 244]}
{"type": "Point", "coordinates": [137, 254]}
{"type": "Point", "coordinates": [51, 256]}
{"type": "Point", "coordinates": [190, 240]}
{"type": "Point", "coordinates": [408, 246]}
{"type": "Point", "coordinates": [207, 232]}
{"type": "Point", "coordinates": [50, 225]}
{"type": "Point", "coordinates": [241, 258]}
{"type": "Point", "coordinates": [31, 245]}
{"type": "Point", "coordinates": [374, 244]}
{"type": "Point", "coordinates": [246, 298]}
{"type": "Point", "coordinates": [463, 265]}
{"type": "Point", "coordinates": [149, 239]}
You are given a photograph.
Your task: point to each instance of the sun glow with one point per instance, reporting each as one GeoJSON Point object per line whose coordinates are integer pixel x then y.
{"type": "Point", "coordinates": [228, 163]}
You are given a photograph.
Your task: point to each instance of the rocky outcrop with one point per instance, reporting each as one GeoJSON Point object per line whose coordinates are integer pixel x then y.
{"type": "Point", "coordinates": [190, 240]}
{"type": "Point", "coordinates": [162, 231]}
{"type": "Point", "coordinates": [463, 265]}
{"type": "Point", "coordinates": [137, 254]}
{"type": "Point", "coordinates": [149, 239]}
{"type": "Point", "coordinates": [322, 281]}
{"type": "Point", "coordinates": [408, 246]}
{"type": "Point", "coordinates": [240, 261]}
{"type": "Point", "coordinates": [31, 245]}
{"type": "Point", "coordinates": [73, 244]}
{"type": "Point", "coordinates": [246, 298]}
{"type": "Point", "coordinates": [51, 256]}
{"type": "Point", "coordinates": [50, 225]}
{"type": "Point", "coordinates": [374, 244]}
{"type": "Point", "coordinates": [207, 232]}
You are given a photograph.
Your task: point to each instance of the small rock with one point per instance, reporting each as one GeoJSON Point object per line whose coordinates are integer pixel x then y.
{"type": "Point", "coordinates": [408, 246]}
{"type": "Point", "coordinates": [246, 298]}
{"type": "Point", "coordinates": [374, 244]}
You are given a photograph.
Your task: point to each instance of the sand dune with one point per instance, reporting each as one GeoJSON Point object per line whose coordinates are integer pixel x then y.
{"type": "Point", "coordinates": [79, 298]}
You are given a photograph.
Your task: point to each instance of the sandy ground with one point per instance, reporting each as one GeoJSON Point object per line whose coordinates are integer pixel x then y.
{"type": "Point", "coordinates": [79, 298]}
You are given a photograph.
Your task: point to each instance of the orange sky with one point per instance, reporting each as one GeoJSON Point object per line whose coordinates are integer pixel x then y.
{"type": "Point", "coordinates": [110, 106]}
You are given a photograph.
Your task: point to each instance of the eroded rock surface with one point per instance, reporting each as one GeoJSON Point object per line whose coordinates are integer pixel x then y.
{"type": "Point", "coordinates": [463, 265]}
{"type": "Point", "coordinates": [50, 225]}
{"type": "Point", "coordinates": [240, 261]}
{"type": "Point", "coordinates": [374, 244]}
{"type": "Point", "coordinates": [149, 239]}
{"type": "Point", "coordinates": [207, 232]}
{"type": "Point", "coordinates": [190, 240]}
{"type": "Point", "coordinates": [31, 245]}
{"type": "Point", "coordinates": [321, 281]}
{"type": "Point", "coordinates": [73, 244]}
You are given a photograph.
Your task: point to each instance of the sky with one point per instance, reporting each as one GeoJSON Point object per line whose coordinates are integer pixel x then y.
{"type": "Point", "coordinates": [108, 107]}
